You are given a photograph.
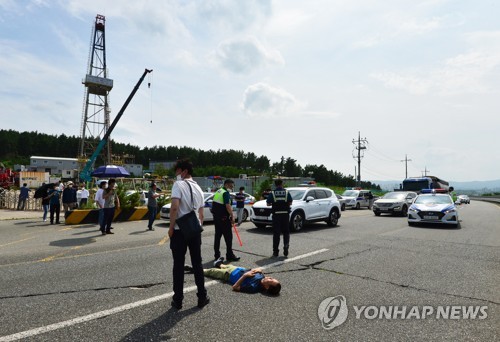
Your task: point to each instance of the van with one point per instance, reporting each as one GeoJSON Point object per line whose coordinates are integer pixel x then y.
{"type": "Point", "coordinates": [357, 198]}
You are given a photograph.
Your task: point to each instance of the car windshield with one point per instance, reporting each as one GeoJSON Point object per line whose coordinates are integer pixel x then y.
{"type": "Point", "coordinates": [297, 194]}
{"type": "Point", "coordinates": [206, 195]}
{"type": "Point", "coordinates": [350, 193]}
{"type": "Point", "coordinates": [395, 195]}
{"type": "Point", "coordinates": [433, 199]}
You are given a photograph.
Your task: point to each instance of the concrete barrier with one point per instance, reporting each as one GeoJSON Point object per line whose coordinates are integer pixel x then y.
{"type": "Point", "coordinates": [91, 216]}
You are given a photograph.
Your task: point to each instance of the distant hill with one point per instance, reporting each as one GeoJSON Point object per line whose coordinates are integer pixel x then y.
{"type": "Point", "coordinates": [474, 186]}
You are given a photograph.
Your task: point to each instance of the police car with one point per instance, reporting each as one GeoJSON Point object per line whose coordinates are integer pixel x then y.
{"type": "Point", "coordinates": [310, 204]}
{"type": "Point", "coordinates": [433, 208]}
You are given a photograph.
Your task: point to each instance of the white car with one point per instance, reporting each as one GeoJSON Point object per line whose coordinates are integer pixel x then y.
{"type": "Point", "coordinates": [463, 199]}
{"type": "Point", "coordinates": [248, 198]}
{"type": "Point", "coordinates": [433, 208]}
{"type": "Point", "coordinates": [143, 196]}
{"type": "Point", "coordinates": [356, 198]}
{"type": "Point", "coordinates": [310, 204]}
{"type": "Point", "coordinates": [207, 209]}
{"type": "Point", "coordinates": [395, 203]}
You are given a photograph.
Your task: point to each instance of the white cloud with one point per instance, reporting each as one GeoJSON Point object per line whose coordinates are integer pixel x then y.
{"type": "Point", "coordinates": [468, 72]}
{"type": "Point", "coordinates": [245, 55]}
{"type": "Point", "coordinates": [263, 100]}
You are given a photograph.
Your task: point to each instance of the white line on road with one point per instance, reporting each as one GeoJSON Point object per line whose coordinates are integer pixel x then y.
{"type": "Point", "coordinates": [100, 314]}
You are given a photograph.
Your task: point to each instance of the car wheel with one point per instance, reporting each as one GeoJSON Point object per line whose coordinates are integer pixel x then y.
{"type": "Point", "coordinates": [244, 217]}
{"type": "Point", "coordinates": [297, 221]}
{"type": "Point", "coordinates": [404, 212]}
{"type": "Point", "coordinates": [260, 225]}
{"type": "Point", "coordinates": [377, 213]}
{"type": "Point", "coordinates": [342, 208]}
{"type": "Point", "coordinates": [333, 218]}
{"type": "Point", "coordinates": [358, 206]}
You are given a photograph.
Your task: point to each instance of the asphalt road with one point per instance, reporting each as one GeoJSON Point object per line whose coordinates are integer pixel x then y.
{"type": "Point", "coordinates": [69, 283]}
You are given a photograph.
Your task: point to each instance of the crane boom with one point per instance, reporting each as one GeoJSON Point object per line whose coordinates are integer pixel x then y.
{"type": "Point", "coordinates": [86, 172]}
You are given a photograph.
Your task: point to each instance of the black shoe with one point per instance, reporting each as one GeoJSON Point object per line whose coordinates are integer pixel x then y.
{"type": "Point", "coordinates": [103, 233]}
{"type": "Point", "coordinates": [217, 256]}
{"type": "Point", "coordinates": [233, 258]}
{"type": "Point", "coordinates": [111, 227]}
{"type": "Point", "coordinates": [285, 252]}
{"type": "Point", "coordinates": [218, 262]}
{"type": "Point", "coordinates": [188, 268]}
{"type": "Point", "coordinates": [109, 232]}
{"type": "Point", "coordinates": [275, 254]}
{"type": "Point", "coordinates": [176, 305]}
{"type": "Point", "coordinates": [203, 301]}
{"type": "Point", "coordinates": [151, 228]}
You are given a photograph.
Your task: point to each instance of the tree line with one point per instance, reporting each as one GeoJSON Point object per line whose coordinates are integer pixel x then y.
{"type": "Point", "coordinates": [17, 147]}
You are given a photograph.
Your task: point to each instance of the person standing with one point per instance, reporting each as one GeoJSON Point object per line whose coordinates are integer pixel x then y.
{"type": "Point", "coordinates": [45, 201]}
{"type": "Point", "coordinates": [280, 200]}
{"type": "Point", "coordinates": [84, 195]}
{"type": "Point", "coordinates": [152, 205]}
{"type": "Point", "coordinates": [100, 201]}
{"type": "Point", "coordinates": [240, 204]}
{"type": "Point", "coordinates": [186, 197]}
{"type": "Point", "coordinates": [224, 220]}
{"type": "Point", "coordinates": [69, 197]}
{"type": "Point", "coordinates": [54, 197]}
{"type": "Point", "coordinates": [111, 202]}
{"type": "Point", "coordinates": [23, 196]}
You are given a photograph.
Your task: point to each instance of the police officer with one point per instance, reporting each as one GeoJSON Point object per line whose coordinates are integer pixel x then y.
{"type": "Point", "coordinates": [223, 220]}
{"type": "Point", "coordinates": [280, 200]}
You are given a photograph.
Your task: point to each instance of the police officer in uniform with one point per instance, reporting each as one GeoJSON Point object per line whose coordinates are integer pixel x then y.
{"type": "Point", "coordinates": [224, 220]}
{"type": "Point", "coordinates": [280, 200]}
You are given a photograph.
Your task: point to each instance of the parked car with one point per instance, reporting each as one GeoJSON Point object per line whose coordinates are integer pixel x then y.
{"type": "Point", "coordinates": [395, 203]}
{"type": "Point", "coordinates": [143, 196]}
{"type": "Point", "coordinates": [463, 199]}
{"type": "Point", "coordinates": [309, 205]}
{"type": "Point", "coordinates": [248, 198]}
{"type": "Point", "coordinates": [342, 201]}
{"type": "Point", "coordinates": [433, 208]}
{"type": "Point", "coordinates": [207, 209]}
{"type": "Point", "coordinates": [357, 198]}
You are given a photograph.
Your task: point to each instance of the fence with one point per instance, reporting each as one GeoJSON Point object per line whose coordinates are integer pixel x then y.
{"type": "Point", "coordinates": [10, 198]}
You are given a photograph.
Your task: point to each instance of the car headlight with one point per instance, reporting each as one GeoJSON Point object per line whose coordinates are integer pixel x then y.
{"type": "Point", "coordinates": [413, 210]}
{"type": "Point", "coordinates": [450, 211]}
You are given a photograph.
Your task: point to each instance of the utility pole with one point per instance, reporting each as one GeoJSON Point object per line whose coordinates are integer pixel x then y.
{"type": "Point", "coordinates": [424, 173]}
{"type": "Point", "coordinates": [360, 145]}
{"type": "Point", "coordinates": [406, 160]}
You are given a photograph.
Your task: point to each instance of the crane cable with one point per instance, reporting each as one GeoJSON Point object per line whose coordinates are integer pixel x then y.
{"type": "Point", "coordinates": [150, 79]}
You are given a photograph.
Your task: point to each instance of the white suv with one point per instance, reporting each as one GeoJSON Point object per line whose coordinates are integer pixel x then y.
{"type": "Point", "coordinates": [309, 205]}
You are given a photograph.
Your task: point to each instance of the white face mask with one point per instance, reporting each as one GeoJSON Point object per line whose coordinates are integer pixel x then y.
{"type": "Point", "coordinates": [178, 177]}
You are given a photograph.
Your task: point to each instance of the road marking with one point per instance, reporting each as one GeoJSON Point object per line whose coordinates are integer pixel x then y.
{"type": "Point", "coordinates": [163, 241]}
{"type": "Point", "coordinates": [52, 257]}
{"type": "Point", "coordinates": [14, 242]}
{"type": "Point", "coordinates": [118, 309]}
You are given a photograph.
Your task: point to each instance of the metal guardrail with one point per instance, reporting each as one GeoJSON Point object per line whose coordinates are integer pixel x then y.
{"type": "Point", "coordinates": [493, 199]}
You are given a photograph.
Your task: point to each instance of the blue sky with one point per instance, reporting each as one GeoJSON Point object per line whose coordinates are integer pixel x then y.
{"type": "Point", "coordinates": [278, 78]}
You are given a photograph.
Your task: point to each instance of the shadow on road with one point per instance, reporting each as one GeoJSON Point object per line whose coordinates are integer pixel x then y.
{"type": "Point", "coordinates": [157, 330]}
{"type": "Point", "coordinates": [435, 226]}
{"type": "Point", "coordinates": [74, 242]}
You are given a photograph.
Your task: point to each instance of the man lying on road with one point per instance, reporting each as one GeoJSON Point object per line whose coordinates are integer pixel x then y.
{"type": "Point", "coordinates": [242, 279]}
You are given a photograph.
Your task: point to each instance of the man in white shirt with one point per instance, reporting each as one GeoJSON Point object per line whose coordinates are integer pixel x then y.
{"type": "Point", "coordinates": [100, 201]}
{"type": "Point", "coordinates": [84, 195]}
{"type": "Point", "coordinates": [182, 204]}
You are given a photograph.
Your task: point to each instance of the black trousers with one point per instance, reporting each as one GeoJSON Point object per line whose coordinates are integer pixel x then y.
{"type": "Point", "coordinates": [55, 209]}
{"type": "Point", "coordinates": [223, 228]}
{"type": "Point", "coordinates": [280, 225]}
{"type": "Point", "coordinates": [179, 247]}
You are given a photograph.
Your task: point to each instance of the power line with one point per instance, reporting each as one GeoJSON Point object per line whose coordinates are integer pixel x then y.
{"type": "Point", "coordinates": [406, 160]}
